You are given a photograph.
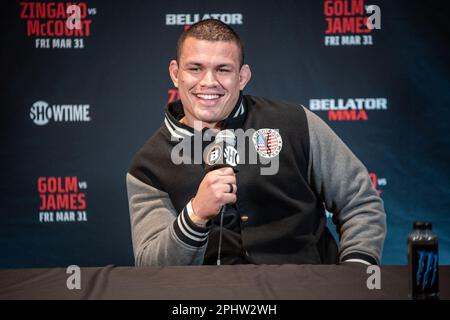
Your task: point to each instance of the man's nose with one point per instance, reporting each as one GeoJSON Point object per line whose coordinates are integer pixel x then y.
{"type": "Point", "coordinates": [209, 79]}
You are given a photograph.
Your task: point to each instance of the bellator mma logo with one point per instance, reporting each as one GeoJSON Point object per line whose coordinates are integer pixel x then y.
{"type": "Point", "coordinates": [57, 25]}
{"type": "Point", "coordinates": [347, 22]}
{"type": "Point", "coordinates": [62, 199]}
{"type": "Point", "coordinates": [189, 19]}
{"type": "Point", "coordinates": [353, 109]}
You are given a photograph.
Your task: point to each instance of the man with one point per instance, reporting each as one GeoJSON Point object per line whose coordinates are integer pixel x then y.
{"type": "Point", "coordinates": [273, 218]}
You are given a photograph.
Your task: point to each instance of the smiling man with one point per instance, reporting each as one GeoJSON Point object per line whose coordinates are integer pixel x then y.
{"type": "Point", "coordinates": [209, 75]}
{"type": "Point", "coordinates": [270, 219]}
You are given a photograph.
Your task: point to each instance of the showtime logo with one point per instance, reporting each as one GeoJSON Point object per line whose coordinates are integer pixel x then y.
{"type": "Point", "coordinates": [57, 25]}
{"type": "Point", "coordinates": [62, 199]}
{"type": "Point", "coordinates": [173, 19]}
{"type": "Point", "coordinates": [354, 109]}
{"type": "Point", "coordinates": [42, 113]}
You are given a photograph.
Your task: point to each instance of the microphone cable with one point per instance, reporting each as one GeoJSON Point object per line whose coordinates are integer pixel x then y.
{"type": "Point", "coordinates": [224, 143]}
{"type": "Point", "coordinates": [219, 249]}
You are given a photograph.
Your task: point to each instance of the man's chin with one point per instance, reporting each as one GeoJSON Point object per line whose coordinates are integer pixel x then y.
{"type": "Point", "coordinates": [208, 120]}
{"type": "Point", "coordinates": [207, 115]}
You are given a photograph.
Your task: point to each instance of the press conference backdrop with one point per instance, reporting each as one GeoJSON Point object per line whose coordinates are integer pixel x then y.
{"type": "Point", "coordinates": [77, 103]}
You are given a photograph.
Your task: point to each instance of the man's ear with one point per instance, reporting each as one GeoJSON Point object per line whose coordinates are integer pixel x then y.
{"type": "Point", "coordinates": [173, 72]}
{"type": "Point", "coordinates": [244, 76]}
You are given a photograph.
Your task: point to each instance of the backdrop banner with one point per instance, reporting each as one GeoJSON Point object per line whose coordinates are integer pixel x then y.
{"type": "Point", "coordinates": [84, 85]}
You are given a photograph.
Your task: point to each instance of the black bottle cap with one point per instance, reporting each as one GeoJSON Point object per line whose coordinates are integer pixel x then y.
{"type": "Point", "coordinates": [422, 225]}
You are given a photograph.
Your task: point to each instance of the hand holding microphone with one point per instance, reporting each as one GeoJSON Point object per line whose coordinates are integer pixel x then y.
{"type": "Point", "coordinates": [217, 189]}
{"type": "Point", "coordinates": [219, 186]}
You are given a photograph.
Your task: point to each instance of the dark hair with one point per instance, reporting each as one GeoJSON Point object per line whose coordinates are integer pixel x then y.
{"type": "Point", "coordinates": [211, 30]}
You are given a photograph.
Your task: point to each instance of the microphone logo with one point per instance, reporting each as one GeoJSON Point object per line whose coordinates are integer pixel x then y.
{"type": "Point", "coordinates": [214, 155]}
{"type": "Point", "coordinates": [222, 152]}
{"type": "Point", "coordinates": [231, 156]}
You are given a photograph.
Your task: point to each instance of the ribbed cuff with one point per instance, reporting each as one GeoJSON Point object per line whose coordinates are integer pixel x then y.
{"type": "Point", "coordinates": [191, 213]}
{"type": "Point", "coordinates": [189, 232]}
{"type": "Point", "coordinates": [355, 256]}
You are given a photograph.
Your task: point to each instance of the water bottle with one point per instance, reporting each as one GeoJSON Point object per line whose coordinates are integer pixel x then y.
{"type": "Point", "coordinates": [423, 262]}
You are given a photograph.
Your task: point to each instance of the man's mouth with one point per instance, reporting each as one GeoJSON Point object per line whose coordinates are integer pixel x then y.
{"type": "Point", "coordinates": [205, 96]}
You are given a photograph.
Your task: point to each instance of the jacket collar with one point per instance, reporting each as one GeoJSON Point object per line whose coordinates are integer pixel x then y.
{"type": "Point", "coordinates": [174, 112]}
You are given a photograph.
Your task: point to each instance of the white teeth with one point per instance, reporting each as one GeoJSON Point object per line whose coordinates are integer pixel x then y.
{"type": "Point", "coordinates": [208, 96]}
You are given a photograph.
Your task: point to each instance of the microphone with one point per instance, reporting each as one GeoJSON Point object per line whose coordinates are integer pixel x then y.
{"type": "Point", "coordinates": [220, 154]}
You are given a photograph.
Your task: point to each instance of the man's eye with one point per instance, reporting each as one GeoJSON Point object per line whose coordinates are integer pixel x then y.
{"type": "Point", "coordinates": [224, 70]}
{"type": "Point", "coordinates": [194, 69]}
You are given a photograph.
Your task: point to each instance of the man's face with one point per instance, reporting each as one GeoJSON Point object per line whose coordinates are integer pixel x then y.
{"type": "Point", "coordinates": [208, 79]}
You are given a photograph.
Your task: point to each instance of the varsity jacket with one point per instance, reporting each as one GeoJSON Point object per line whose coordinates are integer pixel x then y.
{"type": "Point", "coordinates": [279, 217]}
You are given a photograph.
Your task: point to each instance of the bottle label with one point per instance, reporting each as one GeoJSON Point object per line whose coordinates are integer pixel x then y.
{"type": "Point", "coordinates": [424, 266]}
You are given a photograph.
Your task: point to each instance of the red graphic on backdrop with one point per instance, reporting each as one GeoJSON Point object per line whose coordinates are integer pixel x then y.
{"type": "Point", "coordinates": [60, 193]}
{"type": "Point", "coordinates": [343, 16]}
{"type": "Point", "coordinates": [377, 182]}
{"type": "Point", "coordinates": [173, 95]}
{"type": "Point", "coordinates": [57, 25]}
{"type": "Point", "coordinates": [50, 19]}
{"type": "Point", "coordinates": [347, 115]}
{"type": "Point", "coordinates": [346, 23]}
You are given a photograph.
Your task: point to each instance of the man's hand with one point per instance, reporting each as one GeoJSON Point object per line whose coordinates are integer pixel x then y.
{"type": "Point", "coordinates": [214, 192]}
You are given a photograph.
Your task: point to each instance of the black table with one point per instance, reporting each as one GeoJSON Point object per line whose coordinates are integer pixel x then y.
{"type": "Point", "coordinates": [248, 282]}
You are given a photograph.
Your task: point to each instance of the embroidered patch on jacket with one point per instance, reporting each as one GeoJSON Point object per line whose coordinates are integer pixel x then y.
{"type": "Point", "coordinates": [268, 142]}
